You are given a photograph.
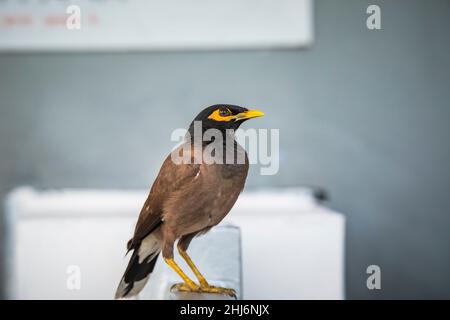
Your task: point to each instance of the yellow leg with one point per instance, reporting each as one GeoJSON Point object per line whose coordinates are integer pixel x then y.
{"type": "Point", "coordinates": [204, 285]}
{"type": "Point", "coordinates": [191, 285]}
{"type": "Point", "coordinates": [198, 275]}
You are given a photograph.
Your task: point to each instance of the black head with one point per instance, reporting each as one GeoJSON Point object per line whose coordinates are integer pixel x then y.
{"type": "Point", "coordinates": [225, 116]}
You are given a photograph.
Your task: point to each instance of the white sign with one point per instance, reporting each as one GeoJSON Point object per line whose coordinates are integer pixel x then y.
{"type": "Point", "coordinates": [154, 24]}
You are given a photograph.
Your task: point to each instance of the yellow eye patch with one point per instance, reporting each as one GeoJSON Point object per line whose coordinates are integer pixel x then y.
{"type": "Point", "coordinates": [217, 117]}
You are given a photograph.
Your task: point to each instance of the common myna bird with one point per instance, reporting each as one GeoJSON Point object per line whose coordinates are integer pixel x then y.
{"type": "Point", "coordinates": [188, 199]}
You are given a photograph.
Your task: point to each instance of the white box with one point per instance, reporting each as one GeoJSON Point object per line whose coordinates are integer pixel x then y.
{"type": "Point", "coordinates": [292, 247]}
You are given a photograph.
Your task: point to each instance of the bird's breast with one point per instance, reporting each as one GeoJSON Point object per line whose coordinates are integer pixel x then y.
{"type": "Point", "coordinates": [224, 186]}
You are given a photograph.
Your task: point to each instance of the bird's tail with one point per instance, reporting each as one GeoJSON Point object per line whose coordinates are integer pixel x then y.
{"type": "Point", "coordinates": [139, 268]}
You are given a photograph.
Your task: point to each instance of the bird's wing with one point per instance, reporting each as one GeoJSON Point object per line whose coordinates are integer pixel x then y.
{"type": "Point", "coordinates": [171, 178]}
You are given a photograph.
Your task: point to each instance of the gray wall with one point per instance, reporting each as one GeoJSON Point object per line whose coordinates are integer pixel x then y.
{"type": "Point", "coordinates": [363, 113]}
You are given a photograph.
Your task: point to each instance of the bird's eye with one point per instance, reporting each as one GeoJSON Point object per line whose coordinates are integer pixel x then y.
{"type": "Point", "coordinates": [224, 112]}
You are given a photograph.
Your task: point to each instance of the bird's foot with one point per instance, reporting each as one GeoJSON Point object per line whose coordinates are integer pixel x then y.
{"type": "Point", "coordinates": [183, 287]}
{"type": "Point", "coordinates": [219, 290]}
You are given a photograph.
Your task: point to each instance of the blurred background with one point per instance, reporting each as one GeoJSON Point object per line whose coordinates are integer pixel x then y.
{"type": "Point", "coordinates": [362, 113]}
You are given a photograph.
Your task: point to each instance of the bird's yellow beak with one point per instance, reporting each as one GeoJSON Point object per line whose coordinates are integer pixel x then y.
{"type": "Point", "coordinates": [248, 115]}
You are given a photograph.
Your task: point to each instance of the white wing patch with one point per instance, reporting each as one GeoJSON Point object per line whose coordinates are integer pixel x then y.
{"type": "Point", "coordinates": [149, 247]}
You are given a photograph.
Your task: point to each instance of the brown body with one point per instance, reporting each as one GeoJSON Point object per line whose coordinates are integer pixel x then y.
{"type": "Point", "coordinates": [189, 199]}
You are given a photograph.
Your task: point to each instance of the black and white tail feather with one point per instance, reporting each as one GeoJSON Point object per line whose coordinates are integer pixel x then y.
{"type": "Point", "coordinates": [140, 267]}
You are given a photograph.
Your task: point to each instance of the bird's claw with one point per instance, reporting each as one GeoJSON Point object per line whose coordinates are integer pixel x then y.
{"type": "Point", "coordinates": [219, 290]}
{"type": "Point", "coordinates": [183, 287]}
